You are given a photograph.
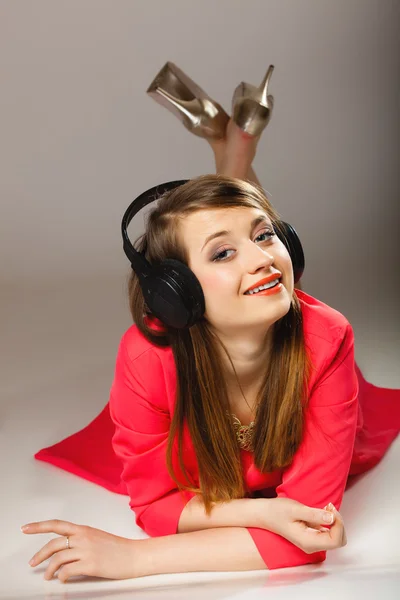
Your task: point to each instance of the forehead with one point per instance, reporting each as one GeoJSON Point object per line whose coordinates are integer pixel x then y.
{"type": "Point", "coordinates": [207, 221]}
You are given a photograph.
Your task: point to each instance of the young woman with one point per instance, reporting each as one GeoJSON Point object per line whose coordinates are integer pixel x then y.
{"type": "Point", "coordinates": [234, 438]}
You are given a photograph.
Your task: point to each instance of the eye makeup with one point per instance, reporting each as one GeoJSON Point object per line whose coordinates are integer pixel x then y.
{"type": "Point", "coordinates": [217, 257]}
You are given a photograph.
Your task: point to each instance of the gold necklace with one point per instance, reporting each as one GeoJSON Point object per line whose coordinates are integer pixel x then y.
{"type": "Point", "coordinates": [244, 433]}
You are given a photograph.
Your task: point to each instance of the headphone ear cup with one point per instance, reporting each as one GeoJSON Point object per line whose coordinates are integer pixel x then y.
{"type": "Point", "coordinates": [288, 236]}
{"type": "Point", "coordinates": [174, 294]}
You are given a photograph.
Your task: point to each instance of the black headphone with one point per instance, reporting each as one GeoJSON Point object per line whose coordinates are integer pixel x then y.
{"type": "Point", "coordinates": [170, 289]}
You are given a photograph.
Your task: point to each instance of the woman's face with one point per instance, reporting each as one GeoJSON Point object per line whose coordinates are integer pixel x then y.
{"type": "Point", "coordinates": [228, 265]}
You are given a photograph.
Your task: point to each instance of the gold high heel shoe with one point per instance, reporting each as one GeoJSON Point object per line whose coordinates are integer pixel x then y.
{"type": "Point", "coordinates": [199, 113]}
{"type": "Point", "coordinates": [251, 106]}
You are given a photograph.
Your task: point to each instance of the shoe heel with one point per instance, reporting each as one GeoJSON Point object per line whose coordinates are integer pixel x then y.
{"type": "Point", "coordinates": [252, 106]}
{"type": "Point", "coordinates": [199, 113]}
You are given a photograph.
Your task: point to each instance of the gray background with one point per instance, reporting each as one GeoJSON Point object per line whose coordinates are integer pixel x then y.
{"type": "Point", "coordinates": [79, 139]}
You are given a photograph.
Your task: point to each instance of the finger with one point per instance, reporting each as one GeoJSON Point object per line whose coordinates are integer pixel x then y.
{"type": "Point", "coordinates": [52, 526]}
{"type": "Point", "coordinates": [333, 538]}
{"type": "Point", "coordinates": [318, 529]}
{"type": "Point", "coordinates": [343, 541]}
{"type": "Point", "coordinates": [314, 530]}
{"type": "Point", "coordinates": [55, 545]}
{"type": "Point", "coordinates": [59, 559]}
{"type": "Point", "coordinates": [70, 570]}
{"type": "Point", "coordinates": [315, 516]}
{"type": "Point", "coordinates": [344, 538]}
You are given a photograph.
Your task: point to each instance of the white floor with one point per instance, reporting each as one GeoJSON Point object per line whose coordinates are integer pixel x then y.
{"type": "Point", "coordinates": [58, 347]}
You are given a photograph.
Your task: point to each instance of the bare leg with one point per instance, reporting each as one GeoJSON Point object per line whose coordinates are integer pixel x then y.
{"type": "Point", "coordinates": [235, 153]}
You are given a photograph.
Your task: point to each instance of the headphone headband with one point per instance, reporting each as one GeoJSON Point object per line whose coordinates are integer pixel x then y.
{"type": "Point", "coordinates": [138, 263]}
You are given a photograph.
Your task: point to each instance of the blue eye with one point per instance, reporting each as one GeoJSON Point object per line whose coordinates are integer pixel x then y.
{"type": "Point", "coordinates": [217, 257]}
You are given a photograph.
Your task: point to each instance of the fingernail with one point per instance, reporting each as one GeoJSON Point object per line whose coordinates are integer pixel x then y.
{"type": "Point", "coordinates": [24, 527]}
{"type": "Point", "coordinates": [328, 517]}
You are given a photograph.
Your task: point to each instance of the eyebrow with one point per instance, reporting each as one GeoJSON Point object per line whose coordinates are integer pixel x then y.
{"type": "Point", "coordinates": [253, 224]}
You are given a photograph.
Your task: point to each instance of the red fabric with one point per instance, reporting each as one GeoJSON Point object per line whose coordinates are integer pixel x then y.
{"type": "Point", "coordinates": [349, 426]}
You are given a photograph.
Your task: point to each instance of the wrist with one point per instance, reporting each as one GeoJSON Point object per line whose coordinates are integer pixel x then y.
{"type": "Point", "coordinates": [249, 512]}
{"type": "Point", "coordinates": [260, 512]}
{"type": "Point", "coordinates": [144, 555]}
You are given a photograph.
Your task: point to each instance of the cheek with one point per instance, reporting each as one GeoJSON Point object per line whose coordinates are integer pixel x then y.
{"type": "Point", "coordinates": [217, 281]}
{"type": "Point", "coordinates": [287, 266]}
{"type": "Point", "coordinates": [283, 257]}
{"type": "Point", "coordinates": [288, 263]}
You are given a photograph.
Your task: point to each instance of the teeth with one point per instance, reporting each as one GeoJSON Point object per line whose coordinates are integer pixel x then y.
{"type": "Point", "coordinates": [263, 287]}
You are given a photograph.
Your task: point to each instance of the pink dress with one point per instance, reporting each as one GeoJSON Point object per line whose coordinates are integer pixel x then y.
{"type": "Point", "coordinates": [349, 426]}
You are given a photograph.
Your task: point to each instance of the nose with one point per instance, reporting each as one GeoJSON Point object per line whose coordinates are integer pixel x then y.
{"type": "Point", "coordinates": [258, 258]}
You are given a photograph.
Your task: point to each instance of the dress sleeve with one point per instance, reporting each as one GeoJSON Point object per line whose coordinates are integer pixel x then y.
{"type": "Point", "coordinates": [319, 470]}
{"type": "Point", "coordinates": [140, 441]}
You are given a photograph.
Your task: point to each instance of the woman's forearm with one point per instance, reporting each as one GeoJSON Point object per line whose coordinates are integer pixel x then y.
{"type": "Point", "coordinates": [242, 512]}
{"type": "Point", "coordinates": [224, 549]}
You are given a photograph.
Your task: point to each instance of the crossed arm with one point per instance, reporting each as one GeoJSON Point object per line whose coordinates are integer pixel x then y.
{"type": "Point", "coordinates": [229, 539]}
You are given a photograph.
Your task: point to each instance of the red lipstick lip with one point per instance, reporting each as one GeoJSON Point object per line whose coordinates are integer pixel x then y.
{"type": "Point", "coordinates": [276, 275]}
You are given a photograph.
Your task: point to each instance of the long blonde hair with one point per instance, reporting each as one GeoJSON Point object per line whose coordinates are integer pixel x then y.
{"type": "Point", "coordinates": [202, 397]}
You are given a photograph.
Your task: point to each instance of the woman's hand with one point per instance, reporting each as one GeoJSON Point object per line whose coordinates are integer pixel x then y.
{"type": "Point", "coordinates": [303, 525]}
{"type": "Point", "coordinates": [91, 551]}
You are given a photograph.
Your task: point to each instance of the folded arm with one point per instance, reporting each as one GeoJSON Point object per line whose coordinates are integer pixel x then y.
{"type": "Point", "coordinates": [317, 475]}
